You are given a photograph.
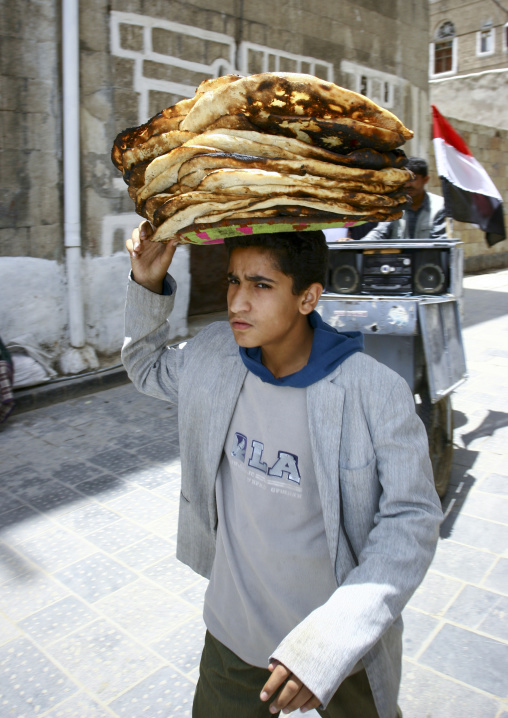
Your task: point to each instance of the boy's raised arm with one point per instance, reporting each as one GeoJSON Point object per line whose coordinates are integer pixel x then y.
{"type": "Point", "coordinates": [151, 367]}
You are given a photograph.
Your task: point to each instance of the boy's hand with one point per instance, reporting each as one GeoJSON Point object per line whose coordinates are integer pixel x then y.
{"type": "Point", "coordinates": [150, 260]}
{"type": "Point", "coordinates": [294, 695]}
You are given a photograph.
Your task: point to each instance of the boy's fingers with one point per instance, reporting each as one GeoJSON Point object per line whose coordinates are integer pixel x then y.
{"type": "Point", "coordinates": [293, 695]}
{"type": "Point", "coordinates": [279, 675]}
{"type": "Point", "coordinates": [145, 230]}
{"type": "Point", "coordinates": [312, 703]}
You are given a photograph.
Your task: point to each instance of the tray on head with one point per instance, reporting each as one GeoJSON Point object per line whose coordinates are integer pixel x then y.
{"type": "Point", "coordinates": [216, 233]}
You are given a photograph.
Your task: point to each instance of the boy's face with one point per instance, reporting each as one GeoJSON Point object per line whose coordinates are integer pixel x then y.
{"type": "Point", "coordinates": [262, 309]}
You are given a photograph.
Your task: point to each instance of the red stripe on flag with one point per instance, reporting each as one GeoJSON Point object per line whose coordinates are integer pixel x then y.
{"type": "Point", "coordinates": [443, 129]}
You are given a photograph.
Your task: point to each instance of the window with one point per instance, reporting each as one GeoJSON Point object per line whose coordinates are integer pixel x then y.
{"type": "Point", "coordinates": [505, 37]}
{"type": "Point", "coordinates": [443, 50]}
{"type": "Point", "coordinates": [485, 39]}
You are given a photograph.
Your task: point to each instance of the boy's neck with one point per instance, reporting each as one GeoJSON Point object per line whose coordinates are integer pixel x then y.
{"type": "Point", "coordinates": [293, 355]}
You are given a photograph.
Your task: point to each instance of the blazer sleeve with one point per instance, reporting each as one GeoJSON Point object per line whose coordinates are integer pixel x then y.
{"type": "Point", "coordinates": [323, 649]}
{"type": "Point", "coordinates": [151, 364]}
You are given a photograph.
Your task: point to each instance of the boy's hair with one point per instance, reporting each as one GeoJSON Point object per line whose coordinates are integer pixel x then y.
{"type": "Point", "coordinates": [303, 256]}
{"type": "Point", "coordinates": [418, 166]}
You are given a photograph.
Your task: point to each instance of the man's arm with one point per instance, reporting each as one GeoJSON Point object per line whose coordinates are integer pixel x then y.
{"type": "Point", "coordinates": [323, 649]}
{"type": "Point", "coordinates": [438, 230]}
{"type": "Point", "coordinates": [383, 230]}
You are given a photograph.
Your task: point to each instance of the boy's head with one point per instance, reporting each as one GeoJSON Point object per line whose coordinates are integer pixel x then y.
{"type": "Point", "coordinates": [274, 283]}
{"type": "Point", "coordinates": [303, 256]}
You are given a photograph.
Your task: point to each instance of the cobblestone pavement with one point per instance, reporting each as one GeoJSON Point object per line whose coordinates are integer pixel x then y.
{"type": "Point", "coordinates": [98, 619]}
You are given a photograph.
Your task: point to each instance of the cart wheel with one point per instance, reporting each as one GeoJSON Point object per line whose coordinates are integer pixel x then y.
{"type": "Point", "coordinates": [438, 421]}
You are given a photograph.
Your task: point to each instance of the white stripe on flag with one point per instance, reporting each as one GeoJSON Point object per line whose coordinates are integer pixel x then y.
{"type": "Point", "coordinates": [463, 170]}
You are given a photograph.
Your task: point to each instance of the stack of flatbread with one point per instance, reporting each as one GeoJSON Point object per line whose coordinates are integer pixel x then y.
{"type": "Point", "coordinates": [268, 145]}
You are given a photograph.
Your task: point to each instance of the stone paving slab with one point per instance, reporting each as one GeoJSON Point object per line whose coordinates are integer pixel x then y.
{"type": "Point", "coordinates": [99, 620]}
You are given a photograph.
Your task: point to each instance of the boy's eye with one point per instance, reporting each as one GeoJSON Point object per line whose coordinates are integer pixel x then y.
{"type": "Point", "coordinates": [262, 285]}
{"type": "Point", "coordinates": [232, 280]}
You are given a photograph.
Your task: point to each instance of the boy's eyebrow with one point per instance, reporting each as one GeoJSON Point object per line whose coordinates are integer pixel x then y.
{"type": "Point", "coordinates": [253, 278]}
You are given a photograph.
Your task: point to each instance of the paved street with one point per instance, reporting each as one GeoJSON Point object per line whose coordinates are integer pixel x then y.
{"type": "Point", "coordinates": [98, 619]}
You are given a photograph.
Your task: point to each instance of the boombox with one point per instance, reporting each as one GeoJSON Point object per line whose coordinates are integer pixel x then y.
{"type": "Point", "coordinates": [394, 268]}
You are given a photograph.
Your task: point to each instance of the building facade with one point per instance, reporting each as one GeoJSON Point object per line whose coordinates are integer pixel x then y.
{"type": "Point", "coordinates": [468, 83]}
{"type": "Point", "coordinates": [135, 58]}
{"type": "Point", "coordinates": [468, 60]}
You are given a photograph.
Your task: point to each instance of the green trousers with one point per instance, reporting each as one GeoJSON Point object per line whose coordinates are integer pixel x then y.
{"type": "Point", "coordinates": [229, 688]}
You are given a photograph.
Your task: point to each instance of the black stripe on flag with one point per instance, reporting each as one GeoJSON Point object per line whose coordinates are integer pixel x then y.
{"type": "Point", "coordinates": [475, 208]}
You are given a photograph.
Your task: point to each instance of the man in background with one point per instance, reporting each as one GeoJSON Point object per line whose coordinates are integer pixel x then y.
{"type": "Point", "coordinates": [425, 219]}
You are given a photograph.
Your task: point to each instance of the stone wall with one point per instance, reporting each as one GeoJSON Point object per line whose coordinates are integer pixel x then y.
{"type": "Point", "coordinates": [138, 56]}
{"type": "Point", "coordinates": [30, 138]}
{"type": "Point", "coordinates": [490, 147]}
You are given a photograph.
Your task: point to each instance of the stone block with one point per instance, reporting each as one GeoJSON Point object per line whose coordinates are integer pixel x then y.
{"type": "Point", "coordinates": [41, 132]}
{"type": "Point", "coordinates": [46, 241]}
{"type": "Point", "coordinates": [98, 172]}
{"type": "Point", "coordinates": [217, 6]}
{"type": "Point", "coordinates": [13, 170]}
{"type": "Point", "coordinates": [13, 208]}
{"type": "Point", "coordinates": [43, 168]}
{"type": "Point", "coordinates": [11, 93]}
{"type": "Point", "coordinates": [99, 104]}
{"type": "Point", "coordinates": [170, 73]}
{"type": "Point", "coordinates": [134, 6]}
{"type": "Point", "coordinates": [41, 21]}
{"type": "Point", "coordinates": [12, 131]}
{"type": "Point", "coordinates": [255, 32]}
{"type": "Point", "coordinates": [93, 134]}
{"type": "Point", "coordinates": [192, 49]}
{"type": "Point", "coordinates": [216, 51]}
{"type": "Point", "coordinates": [44, 205]}
{"type": "Point", "coordinates": [38, 95]}
{"type": "Point", "coordinates": [132, 37]}
{"type": "Point", "coordinates": [96, 206]}
{"type": "Point", "coordinates": [125, 104]}
{"type": "Point", "coordinates": [123, 73]}
{"type": "Point", "coordinates": [160, 100]}
{"type": "Point", "coordinates": [96, 72]}
{"type": "Point", "coordinates": [165, 42]}
{"type": "Point", "coordinates": [11, 22]}
{"type": "Point", "coordinates": [19, 59]}
{"type": "Point", "coordinates": [48, 61]}
{"type": "Point", "coordinates": [14, 242]}
{"type": "Point", "coordinates": [94, 35]}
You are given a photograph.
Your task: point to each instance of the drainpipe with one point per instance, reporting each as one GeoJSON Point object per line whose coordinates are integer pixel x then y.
{"type": "Point", "coordinates": [71, 169]}
{"type": "Point", "coordinates": [79, 357]}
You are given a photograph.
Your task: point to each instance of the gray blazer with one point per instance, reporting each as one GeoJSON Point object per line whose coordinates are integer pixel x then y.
{"type": "Point", "coordinates": [370, 452]}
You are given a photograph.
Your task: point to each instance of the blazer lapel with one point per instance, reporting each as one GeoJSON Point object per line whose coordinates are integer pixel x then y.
{"type": "Point", "coordinates": [227, 389]}
{"type": "Point", "coordinates": [325, 403]}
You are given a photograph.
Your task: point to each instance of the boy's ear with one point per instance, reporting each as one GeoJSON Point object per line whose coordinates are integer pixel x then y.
{"type": "Point", "coordinates": [310, 298]}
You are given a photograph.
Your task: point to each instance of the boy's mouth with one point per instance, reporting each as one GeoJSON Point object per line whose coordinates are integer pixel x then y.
{"type": "Point", "coordinates": [239, 324]}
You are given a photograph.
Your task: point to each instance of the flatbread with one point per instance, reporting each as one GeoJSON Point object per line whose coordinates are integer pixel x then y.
{"type": "Point", "coordinates": [169, 166]}
{"type": "Point", "coordinates": [382, 181]}
{"type": "Point", "coordinates": [342, 134]}
{"type": "Point", "coordinates": [288, 94]}
{"type": "Point", "coordinates": [261, 182]}
{"type": "Point", "coordinates": [203, 212]}
{"type": "Point", "coordinates": [154, 147]}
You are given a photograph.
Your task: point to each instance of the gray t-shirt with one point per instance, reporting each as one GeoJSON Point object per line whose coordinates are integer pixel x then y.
{"type": "Point", "coordinates": [272, 566]}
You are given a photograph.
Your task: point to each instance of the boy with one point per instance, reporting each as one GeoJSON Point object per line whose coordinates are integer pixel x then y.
{"type": "Point", "coordinates": [307, 493]}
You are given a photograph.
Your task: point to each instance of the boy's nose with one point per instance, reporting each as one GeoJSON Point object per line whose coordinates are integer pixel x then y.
{"type": "Point", "coordinates": [238, 300]}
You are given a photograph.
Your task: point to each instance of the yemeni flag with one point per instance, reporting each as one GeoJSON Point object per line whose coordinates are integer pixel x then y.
{"type": "Point", "coordinates": [469, 193]}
